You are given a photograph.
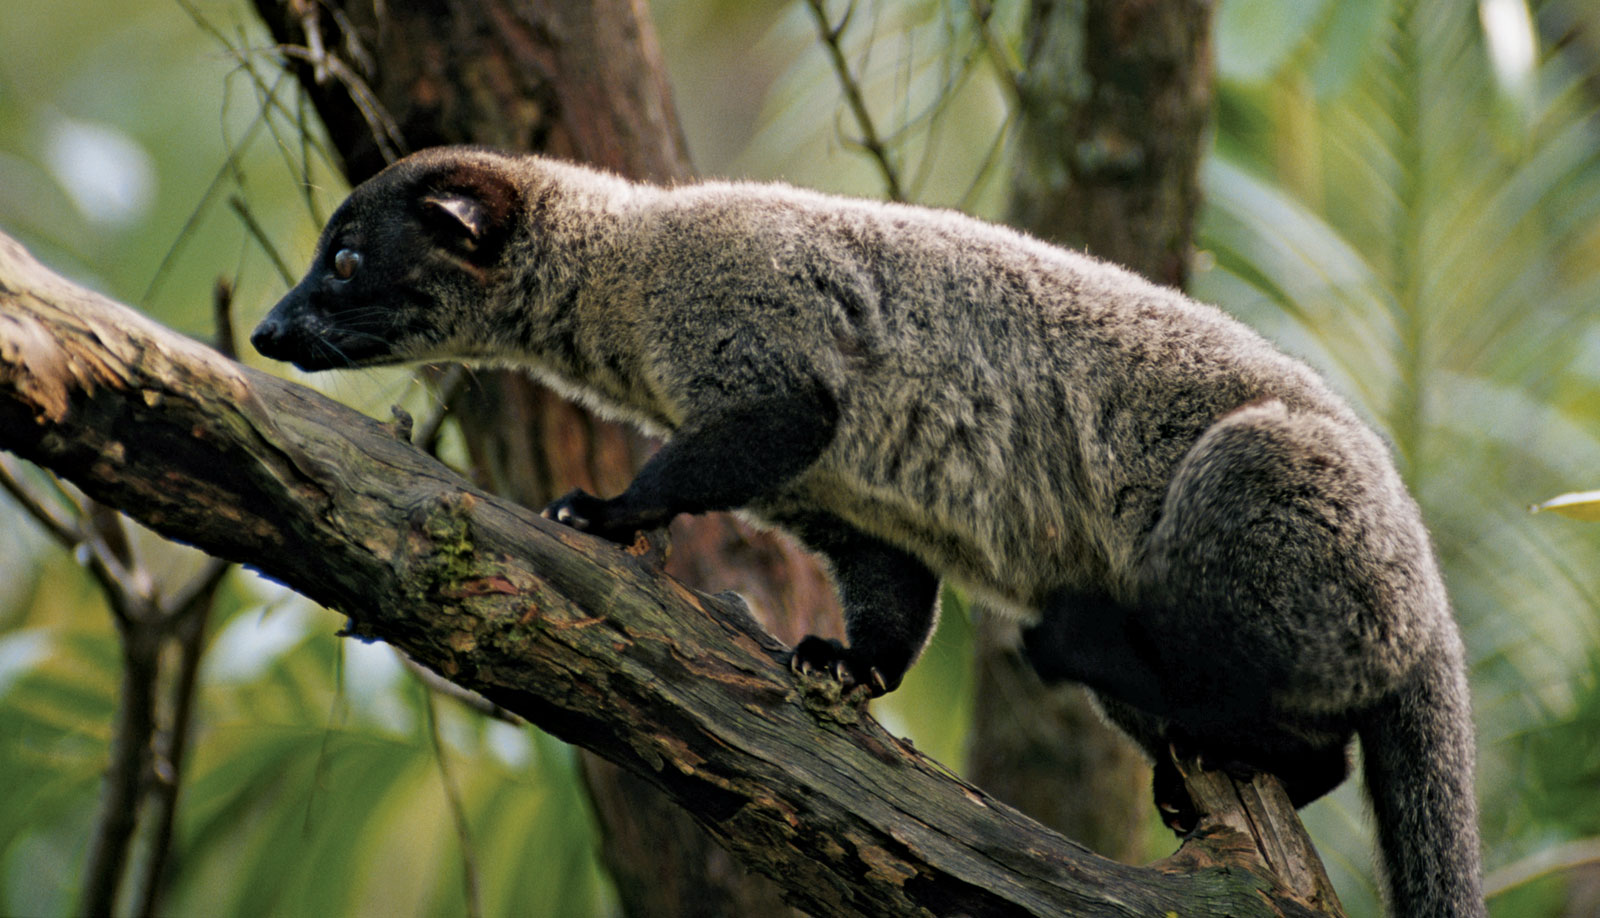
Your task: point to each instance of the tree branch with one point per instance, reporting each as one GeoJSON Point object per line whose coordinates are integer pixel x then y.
{"type": "Point", "coordinates": [118, 816]}
{"type": "Point", "coordinates": [832, 37]}
{"type": "Point", "coordinates": [185, 615]}
{"type": "Point", "coordinates": [589, 642]}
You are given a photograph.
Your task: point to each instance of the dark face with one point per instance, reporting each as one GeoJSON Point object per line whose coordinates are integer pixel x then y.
{"type": "Point", "coordinates": [398, 262]}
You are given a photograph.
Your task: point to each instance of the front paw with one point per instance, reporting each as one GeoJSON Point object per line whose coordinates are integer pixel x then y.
{"type": "Point", "coordinates": [587, 513]}
{"type": "Point", "coordinates": [815, 655]}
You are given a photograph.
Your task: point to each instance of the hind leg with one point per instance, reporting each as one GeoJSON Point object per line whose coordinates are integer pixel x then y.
{"type": "Point", "coordinates": [1279, 580]}
{"type": "Point", "coordinates": [1314, 774]}
{"type": "Point", "coordinates": [1280, 577]}
{"type": "Point", "coordinates": [1270, 606]}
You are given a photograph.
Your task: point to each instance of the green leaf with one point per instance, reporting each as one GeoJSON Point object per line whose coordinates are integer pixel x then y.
{"type": "Point", "coordinates": [1344, 43]}
{"type": "Point", "coordinates": [1579, 505]}
{"type": "Point", "coordinates": [1256, 37]}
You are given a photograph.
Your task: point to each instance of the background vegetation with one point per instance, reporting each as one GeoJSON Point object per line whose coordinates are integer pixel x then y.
{"type": "Point", "coordinates": [1404, 192]}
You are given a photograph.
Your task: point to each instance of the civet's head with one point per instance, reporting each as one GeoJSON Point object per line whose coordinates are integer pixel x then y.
{"type": "Point", "coordinates": [416, 263]}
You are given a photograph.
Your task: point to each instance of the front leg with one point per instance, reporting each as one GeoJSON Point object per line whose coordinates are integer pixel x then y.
{"type": "Point", "coordinates": [890, 599]}
{"type": "Point", "coordinates": [724, 459]}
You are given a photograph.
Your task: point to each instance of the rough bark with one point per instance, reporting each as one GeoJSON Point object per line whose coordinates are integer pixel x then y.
{"type": "Point", "coordinates": [581, 80]}
{"type": "Point", "coordinates": [1114, 99]}
{"type": "Point", "coordinates": [588, 641]}
{"type": "Point", "coordinates": [584, 81]}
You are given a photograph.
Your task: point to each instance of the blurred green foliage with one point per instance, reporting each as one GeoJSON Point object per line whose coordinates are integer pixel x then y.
{"type": "Point", "coordinates": [1404, 192]}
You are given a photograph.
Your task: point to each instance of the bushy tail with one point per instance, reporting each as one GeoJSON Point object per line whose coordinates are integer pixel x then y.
{"type": "Point", "coordinates": [1418, 750]}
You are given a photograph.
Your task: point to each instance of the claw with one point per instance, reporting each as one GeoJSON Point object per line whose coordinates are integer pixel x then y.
{"type": "Point", "coordinates": [819, 656]}
{"type": "Point", "coordinates": [564, 511]}
{"type": "Point", "coordinates": [798, 665]}
{"type": "Point", "coordinates": [879, 684]}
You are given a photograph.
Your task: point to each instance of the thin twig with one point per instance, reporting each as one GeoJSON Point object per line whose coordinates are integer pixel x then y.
{"type": "Point", "coordinates": [458, 812]}
{"type": "Point", "coordinates": [353, 48]}
{"type": "Point", "coordinates": [222, 319]}
{"type": "Point", "coordinates": [1004, 67]}
{"type": "Point", "coordinates": [253, 227]}
{"type": "Point", "coordinates": [449, 386]}
{"type": "Point", "coordinates": [467, 698]}
{"type": "Point", "coordinates": [268, 101]}
{"type": "Point", "coordinates": [186, 615]}
{"type": "Point", "coordinates": [242, 55]}
{"type": "Point", "coordinates": [295, 149]}
{"type": "Point", "coordinates": [385, 132]}
{"type": "Point", "coordinates": [298, 164]}
{"type": "Point", "coordinates": [228, 167]}
{"type": "Point", "coordinates": [1541, 863]}
{"type": "Point", "coordinates": [196, 592]}
{"type": "Point", "coordinates": [128, 592]}
{"type": "Point", "coordinates": [870, 140]}
{"type": "Point", "coordinates": [107, 524]}
{"type": "Point", "coordinates": [991, 159]}
{"type": "Point", "coordinates": [313, 33]}
{"type": "Point", "coordinates": [954, 80]}
{"type": "Point", "coordinates": [304, 129]}
{"type": "Point", "coordinates": [126, 773]}
{"type": "Point", "coordinates": [68, 534]}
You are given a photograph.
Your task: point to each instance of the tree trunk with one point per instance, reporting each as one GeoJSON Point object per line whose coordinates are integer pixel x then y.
{"type": "Point", "coordinates": [583, 81]}
{"type": "Point", "coordinates": [1115, 97]}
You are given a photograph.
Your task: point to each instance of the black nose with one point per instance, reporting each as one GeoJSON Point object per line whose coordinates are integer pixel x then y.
{"type": "Point", "coordinates": [267, 339]}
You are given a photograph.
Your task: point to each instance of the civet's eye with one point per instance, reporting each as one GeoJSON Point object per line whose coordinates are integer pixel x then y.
{"type": "Point", "coordinates": [345, 263]}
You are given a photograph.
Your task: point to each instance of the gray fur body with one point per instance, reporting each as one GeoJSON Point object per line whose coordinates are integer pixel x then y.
{"type": "Point", "coordinates": [1194, 524]}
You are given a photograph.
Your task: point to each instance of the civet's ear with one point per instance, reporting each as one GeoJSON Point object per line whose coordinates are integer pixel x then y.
{"type": "Point", "coordinates": [472, 206]}
{"type": "Point", "coordinates": [459, 214]}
